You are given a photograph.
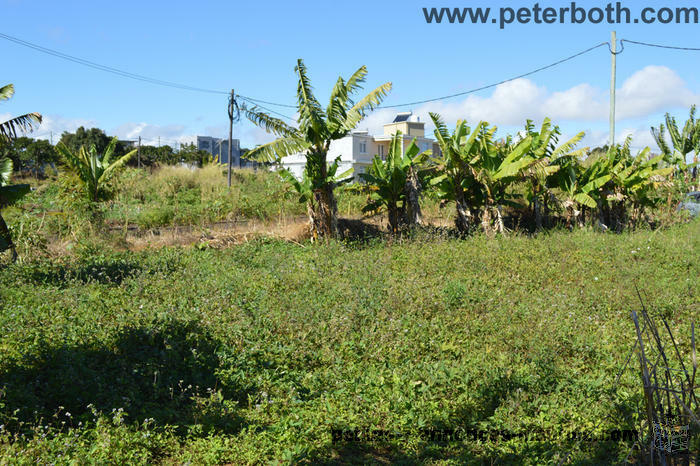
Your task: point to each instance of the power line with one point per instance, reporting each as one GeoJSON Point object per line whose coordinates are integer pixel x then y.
{"type": "Point", "coordinates": [250, 99]}
{"type": "Point", "coordinates": [108, 69]}
{"type": "Point", "coordinates": [254, 102]}
{"type": "Point", "coordinates": [646, 44]}
{"type": "Point", "coordinates": [135, 76]}
{"type": "Point", "coordinates": [471, 91]}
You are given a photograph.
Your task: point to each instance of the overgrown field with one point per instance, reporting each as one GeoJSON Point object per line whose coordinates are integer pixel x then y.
{"type": "Point", "coordinates": [164, 197]}
{"type": "Point", "coordinates": [254, 353]}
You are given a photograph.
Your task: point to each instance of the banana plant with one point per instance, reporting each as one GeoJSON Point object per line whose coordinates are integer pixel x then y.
{"type": "Point", "coordinates": [391, 182]}
{"type": "Point", "coordinates": [93, 170]}
{"type": "Point", "coordinates": [541, 162]}
{"type": "Point", "coordinates": [634, 181]}
{"type": "Point", "coordinates": [498, 165]}
{"type": "Point", "coordinates": [308, 185]}
{"type": "Point", "coordinates": [580, 186]}
{"type": "Point", "coordinates": [684, 141]}
{"type": "Point", "coordinates": [316, 129]}
{"type": "Point", "coordinates": [476, 171]}
{"type": "Point", "coordinates": [453, 179]}
{"type": "Point", "coordinates": [9, 194]}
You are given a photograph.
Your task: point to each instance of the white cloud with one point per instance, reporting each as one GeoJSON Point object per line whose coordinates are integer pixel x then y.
{"type": "Point", "coordinates": [54, 126]}
{"type": "Point", "coordinates": [650, 90]}
{"type": "Point", "coordinates": [154, 135]}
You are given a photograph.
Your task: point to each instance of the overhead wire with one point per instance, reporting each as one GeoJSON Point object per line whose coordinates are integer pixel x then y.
{"type": "Point", "coordinates": [671, 47]}
{"type": "Point", "coordinates": [105, 68]}
{"type": "Point", "coordinates": [258, 102]}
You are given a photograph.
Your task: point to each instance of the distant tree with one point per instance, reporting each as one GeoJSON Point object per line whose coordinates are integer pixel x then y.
{"type": "Point", "coordinates": [28, 154]}
{"type": "Point", "coordinates": [190, 154]}
{"type": "Point", "coordinates": [89, 138]}
{"type": "Point", "coordinates": [152, 155]}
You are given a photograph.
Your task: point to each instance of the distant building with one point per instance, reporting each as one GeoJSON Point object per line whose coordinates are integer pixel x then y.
{"type": "Point", "coordinates": [218, 147]}
{"type": "Point", "coordinates": [357, 149]}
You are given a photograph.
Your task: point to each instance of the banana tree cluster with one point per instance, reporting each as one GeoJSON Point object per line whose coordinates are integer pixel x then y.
{"type": "Point", "coordinates": [482, 175]}
{"type": "Point", "coordinates": [476, 171]}
{"type": "Point", "coordinates": [394, 183]}
{"type": "Point", "coordinates": [634, 183]}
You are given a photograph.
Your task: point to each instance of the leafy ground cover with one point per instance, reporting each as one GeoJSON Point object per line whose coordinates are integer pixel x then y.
{"type": "Point", "coordinates": [255, 353]}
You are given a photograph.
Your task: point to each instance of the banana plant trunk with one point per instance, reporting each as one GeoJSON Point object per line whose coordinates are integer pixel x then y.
{"type": "Point", "coordinates": [486, 221]}
{"type": "Point", "coordinates": [538, 213]}
{"type": "Point", "coordinates": [413, 214]}
{"type": "Point", "coordinates": [500, 227]}
{"type": "Point", "coordinates": [394, 217]}
{"type": "Point", "coordinates": [323, 213]}
{"type": "Point", "coordinates": [7, 238]}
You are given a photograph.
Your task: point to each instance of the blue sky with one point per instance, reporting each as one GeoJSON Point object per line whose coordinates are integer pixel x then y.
{"type": "Point", "coordinates": [253, 46]}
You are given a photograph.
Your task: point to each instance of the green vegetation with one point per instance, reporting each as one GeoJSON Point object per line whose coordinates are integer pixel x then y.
{"type": "Point", "coordinates": [253, 353]}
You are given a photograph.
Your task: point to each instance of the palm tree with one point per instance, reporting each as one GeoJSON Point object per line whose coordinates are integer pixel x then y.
{"type": "Point", "coordinates": [9, 194]}
{"type": "Point", "coordinates": [317, 128]}
{"type": "Point", "coordinates": [24, 123]}
{"type": "Point", "coordinates": [392, 182]}
{"type": "Point", "coordinates": [93, 170]}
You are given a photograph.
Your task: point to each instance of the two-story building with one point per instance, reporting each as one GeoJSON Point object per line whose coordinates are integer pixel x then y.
{"type": "Point", "coordinates": [357, 149]}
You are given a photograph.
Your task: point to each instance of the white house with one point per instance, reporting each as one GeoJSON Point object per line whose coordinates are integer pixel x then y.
{"type": "Point", "coordinates": [357, 149]}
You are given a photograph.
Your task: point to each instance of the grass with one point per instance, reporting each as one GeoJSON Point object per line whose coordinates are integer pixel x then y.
{"type": "Point", "coordinates": [253, 354]}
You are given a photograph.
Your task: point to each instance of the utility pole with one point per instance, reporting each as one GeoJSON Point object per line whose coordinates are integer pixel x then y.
{"type": "Point", "coordinates": [230, 134]}
{"type": "Point", "coordinates": [159, 141]}
{"type": "Point", "coordinates": [51, 138]}
{"type": "Point", "coordinates": [613, 79]}
{"type": "Point", "coordinates": [138, 154]}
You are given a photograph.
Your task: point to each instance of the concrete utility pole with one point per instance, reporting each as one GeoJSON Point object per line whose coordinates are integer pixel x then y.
{"type": "Point", "coordinates": [138, 154]}
{"type": "Point", "coordinates": [230, 135]}
{"type": "Point", "coordinates": [613, 79]}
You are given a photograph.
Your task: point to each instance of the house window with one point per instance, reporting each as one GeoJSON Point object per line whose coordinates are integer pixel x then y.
{"type": "Point", "coordinates": [381, 151]}
{"type": "Point", "coordinates": [363, 147]}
